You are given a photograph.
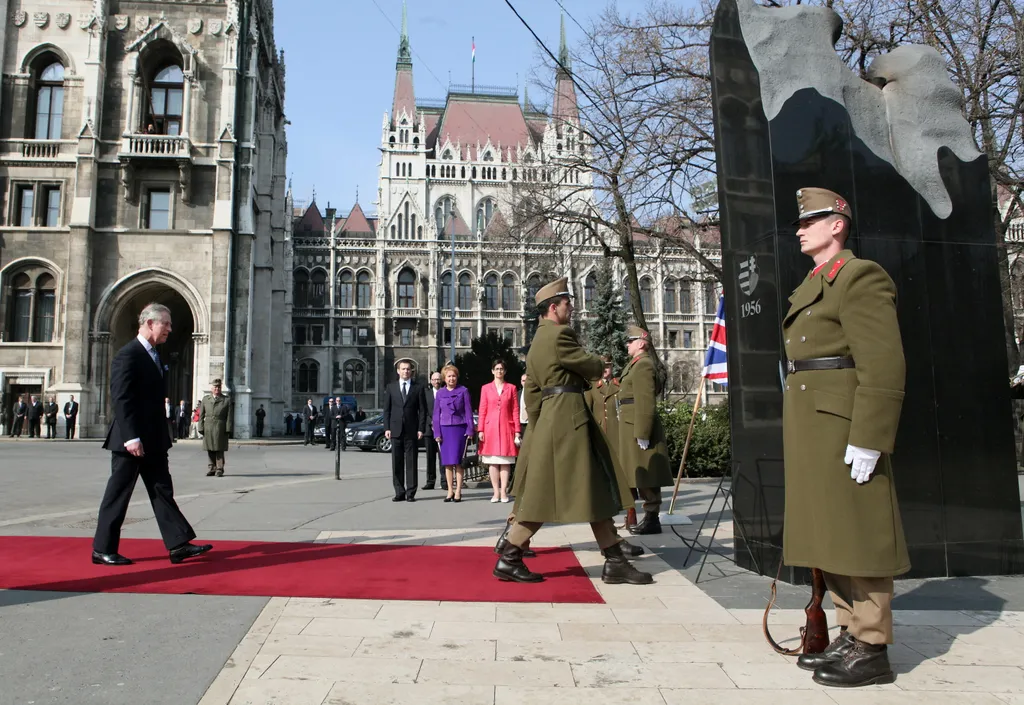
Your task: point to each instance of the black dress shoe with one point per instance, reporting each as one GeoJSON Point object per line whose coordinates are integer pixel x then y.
{"type": "Point", "coordinates": [864, 664]}
{"type": "Point", "coordinates": [832, 653]}
{"type": "Point", "coordinates": [189, 550]}
{"type": "Point", "coordinates": [410, 499]}
{"type": "Point", "coordinates": [427, 487]}
{"type": "Point", "coordinates": [398, 498]}
{"type": "Point", "coordinates": [110, 559]}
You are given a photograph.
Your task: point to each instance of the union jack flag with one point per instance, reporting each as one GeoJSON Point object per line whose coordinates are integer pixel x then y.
{"type": "Point", "coordinates": [715, 367]}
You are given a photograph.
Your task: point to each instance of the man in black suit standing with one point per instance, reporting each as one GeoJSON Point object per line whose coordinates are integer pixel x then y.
{"type": "Point", "coordinates": [20, 410]}
{"type": "Point", "coordinates": [35, 417]}
{"type": "Point", "coordinates": [261, 415]}
{"type": "Point", "coordinates": [70, 418]}
{"type": "Point", "coordinates": [184, 417]}
{"type": "Point", "coordinates": [329, 413]}
{"type": "Point", "coordinates": [50, 411]}
{"type": "Point", "coordinates": [404, 424]}
{"type": "Point", "coordinates": [429, 394]}
{"type": "Point", "coordinates": [138, 440]}
{"type": "Point", "coordinates": [309, 415]}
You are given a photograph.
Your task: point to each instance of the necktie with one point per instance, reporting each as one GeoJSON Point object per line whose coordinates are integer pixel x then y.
{"type": "Point", "coordinates": [156, 359]}
{"type": "Point", "coordinates": [405, 390]}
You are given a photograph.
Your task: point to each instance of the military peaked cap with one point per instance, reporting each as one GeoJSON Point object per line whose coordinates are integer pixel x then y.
{"type": "Point", "coordinates": [813, 202]}
{"type": "Point", "coordinates": [559, 287]}
{"type": "Point", "coordinates": [636, 333]}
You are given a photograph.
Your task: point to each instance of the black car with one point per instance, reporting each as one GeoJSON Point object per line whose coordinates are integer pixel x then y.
{"type": "Point", "coordinates": [369, 435]}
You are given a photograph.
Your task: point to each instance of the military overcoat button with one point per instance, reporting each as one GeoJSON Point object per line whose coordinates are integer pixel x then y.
{"type": "Point", "coordinates": [808, 313]}
{"type": "Point", "coordinates": [803, 387]}
{"type": "Point", "coordinates": [787, 387]}
{"type": "Point", "coordinates": [787, 341]}
{"type": "Point", "coordinates": [803, 338]}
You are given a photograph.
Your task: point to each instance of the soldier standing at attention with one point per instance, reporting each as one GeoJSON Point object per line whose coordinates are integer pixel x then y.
{"type": "Point", "coordinates": [643, 450]}
{"type": "Point", "coordinates": [841, 408]}
{"type": "Point", "coordinates": [566, 472]}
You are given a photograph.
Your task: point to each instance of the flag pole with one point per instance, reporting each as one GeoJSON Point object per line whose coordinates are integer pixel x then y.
{"type": "Point", "coordinates": [686, 447]}
{"type": "Point", "coordinates": [473, 79]}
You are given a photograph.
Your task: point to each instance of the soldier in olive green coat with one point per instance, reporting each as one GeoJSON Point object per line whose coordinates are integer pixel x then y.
{"type": "Point", "coordinates": [215, 425]}
{"type": "Point", "coordinates": [841, 409]}
{"type": "Point", "coordinates": [566, 473]}
{"type": "Point", "coordinates": [602, 399]}
{"type": "Point", "coordinates": [643, 450]}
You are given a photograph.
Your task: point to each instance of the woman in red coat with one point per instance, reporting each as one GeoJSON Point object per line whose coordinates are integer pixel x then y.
{"type": "Point", "coordinates": [499, 429]}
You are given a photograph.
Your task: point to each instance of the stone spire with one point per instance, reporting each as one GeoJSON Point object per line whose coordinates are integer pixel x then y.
{"type": "Point", "coordinates": [563, 48]}
{"type": "Point", "coordinates": [404, 53]}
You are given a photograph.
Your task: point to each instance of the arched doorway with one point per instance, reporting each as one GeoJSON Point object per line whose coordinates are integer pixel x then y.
{"type": "Point", "coordinates": [178, 353]}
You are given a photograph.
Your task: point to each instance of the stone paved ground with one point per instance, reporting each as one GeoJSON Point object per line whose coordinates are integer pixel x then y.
{"type": "Point", "coordinates": [960, 641]}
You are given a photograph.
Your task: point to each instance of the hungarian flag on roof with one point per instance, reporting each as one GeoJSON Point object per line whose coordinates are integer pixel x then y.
{"type": "Point", "coordinates": [715, 367]}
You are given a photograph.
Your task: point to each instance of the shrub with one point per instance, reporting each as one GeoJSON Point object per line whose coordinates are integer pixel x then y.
{"type": "Point", "coordinates": [709, 454]}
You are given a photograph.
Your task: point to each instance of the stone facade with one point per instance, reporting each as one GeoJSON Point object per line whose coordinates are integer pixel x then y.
{"type": "Point", "coordinates": [142, 158]}
{"type": "Point", "coordinates": [369, 291]}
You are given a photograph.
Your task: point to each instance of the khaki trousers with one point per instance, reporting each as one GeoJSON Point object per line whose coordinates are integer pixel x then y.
{"type": "Point", "coordinates": [863, 606]}
{"type": "Point", "coordinates": [604, 531]}
{"type": "Point", "coordinates": [651, 497]}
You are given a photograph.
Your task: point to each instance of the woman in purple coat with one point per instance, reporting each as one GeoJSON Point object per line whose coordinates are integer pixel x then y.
{"type": "Point", "coordinates": [453, 427]}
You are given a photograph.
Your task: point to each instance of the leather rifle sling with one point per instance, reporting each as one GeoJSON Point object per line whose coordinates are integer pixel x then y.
{"type": "Point", "coordinates": [764, 623]}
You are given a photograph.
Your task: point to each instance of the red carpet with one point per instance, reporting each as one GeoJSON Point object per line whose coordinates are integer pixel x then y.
{"type": "Point", "coordinates": [348, 571]}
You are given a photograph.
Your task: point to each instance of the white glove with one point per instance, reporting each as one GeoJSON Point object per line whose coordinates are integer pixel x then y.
{"type": "Point", "coordinates": [643, 443]}
{"type": "Point", "coordinates": [862, 462]}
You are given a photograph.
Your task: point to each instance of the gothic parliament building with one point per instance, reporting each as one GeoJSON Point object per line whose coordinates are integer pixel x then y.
{"type": "Point", "coordinates": [142, 159]}
{"type": "Point", "coordinates": [369, 290]}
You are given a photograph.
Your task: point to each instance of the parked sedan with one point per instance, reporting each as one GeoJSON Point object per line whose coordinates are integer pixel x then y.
{"type": "Point", "coordinates": [369, 435]}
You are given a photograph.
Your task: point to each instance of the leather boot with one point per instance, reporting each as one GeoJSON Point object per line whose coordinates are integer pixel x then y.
{"type": "Point", "coordinates": [618, 570]}
{"type": "Point", "coordinates": [630, 549]}
{"type": "Point", "coordinates": [510, 567]}
{"type": "Point", "coordinates": [833, 652]}
{"type": "Point", "coordinates": [864, 664]}
{"type": "Point", "coordinates": [211, 472]}
{"type": "Point", "coordinates": [499, 547]}
{"type": "Point", "coordinates": [650, 524]}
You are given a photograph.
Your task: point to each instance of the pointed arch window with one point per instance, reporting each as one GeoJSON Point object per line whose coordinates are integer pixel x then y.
{"type": "Point", "coordinates": [345, 289]}
{"type": "Point", "coordinates": [670, 296]}
{"type": "Point", "coordinates": [589, 291]}
{"type": "Point", "coordinates": [484, 213]}
{"type": "Point", "coordinates": [300, 289]}
{"type": "Point", "coordinates": [354, 381]}
{"type": "Point", "coordinates": [508, 293]}
{"type": "Point", "coordinates": [446, 291]}
{"type": "Point", "coordinates": [50, 102]}
{"type": "Point", "coordinates": [646, 299]}
{"type": "Point", "coordinates": [465, 293]}
{"type": "Point", "coordinates": [307, 377]}
{"type": "Point", "coordinates": [491, 292]}
{"type": "Point", "coordinates": [710, 299]}
{"type": "Point", "coordinates": [406, 289]}
{"type": "Point", "coordinates": [364, 290]}
{"type": "Point", "coordinates": [31, 307]}
{"type": "Point", "coordinates": [318, 289]}
{"type": "Point", "coordinates": [685, 296]}
{"type": "Point", "coordinates": [443, 211]}
{"type": "Point", "coordinates": [165, 106]}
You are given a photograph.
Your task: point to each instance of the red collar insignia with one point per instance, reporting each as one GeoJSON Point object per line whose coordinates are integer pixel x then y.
{"type": "Point", "coordinates": [836, 267]}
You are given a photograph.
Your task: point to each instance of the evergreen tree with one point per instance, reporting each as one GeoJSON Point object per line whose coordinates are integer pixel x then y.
{"type": "Point", "coordinates": [475, 365]}
{"type": "Point", "coordinates": [606, 332]}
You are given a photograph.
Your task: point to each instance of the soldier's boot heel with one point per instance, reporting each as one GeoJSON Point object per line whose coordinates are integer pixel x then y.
{"type": "Point", "coordinates": [510, 567]}
{"type": "Point", "coordinates": [211, 472]}
{"type": "Point", "coordinates": [502, 544]}
{"type": "Point", "coordinates": [651, 524]}
{"type": "Point", "coordinates": [618, 570]}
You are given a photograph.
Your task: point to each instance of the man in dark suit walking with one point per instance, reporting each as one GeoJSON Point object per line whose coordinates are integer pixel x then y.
{"type": "Point", "coordinates": [404, 424]}
{"type": "Point", "coordinates": [429, 394]}
{"type": "Point", "coordinates": [138, 441]}
{"type": "Point", "coordinates": [70, 418]}
{"type": "Point", "coordinates": [308, 419]}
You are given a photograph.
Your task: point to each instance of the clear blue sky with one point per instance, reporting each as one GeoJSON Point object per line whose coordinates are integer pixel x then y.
{"type": "Point", "coordinates": [340, 59]}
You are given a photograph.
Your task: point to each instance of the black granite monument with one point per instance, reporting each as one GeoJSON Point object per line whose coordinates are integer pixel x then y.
{"type": "Point", "coordinates": [789, 114]}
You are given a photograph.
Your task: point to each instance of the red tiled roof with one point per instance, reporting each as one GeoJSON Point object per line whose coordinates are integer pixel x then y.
{"type": "Point", "coordinates": [405, 98]}
{"type": "Point", "coordinates": [356, 222]}
{"type": "Point", "coordinates": [430, 123]}
{"type": "Point", "coordinates": [468, 122]}
{"type": "Point", "coordinates": [565, 108]}
{"type": "Point", "coordinates": [311, 221]}
{"type": "Point", "coordinates": [537, 126]}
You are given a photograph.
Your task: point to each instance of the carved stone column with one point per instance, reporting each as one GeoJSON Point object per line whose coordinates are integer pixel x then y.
{"type": "Point", "coordinates": [98, 416]}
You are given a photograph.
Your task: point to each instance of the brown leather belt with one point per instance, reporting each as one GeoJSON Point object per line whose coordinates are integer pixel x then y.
{"type": "Point", "coordinates": [820, 363]}
{"type": "Point", "coordinates": [548, 392]}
